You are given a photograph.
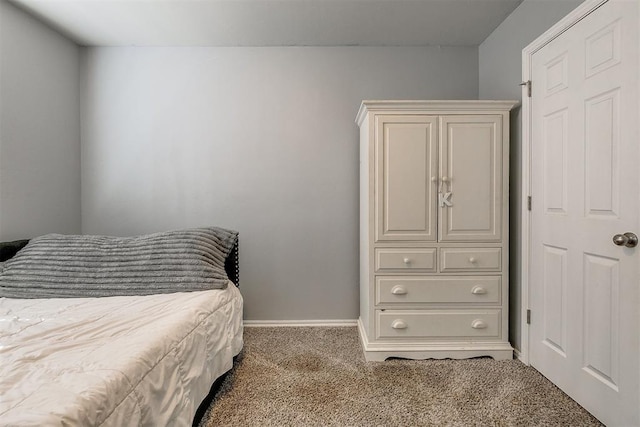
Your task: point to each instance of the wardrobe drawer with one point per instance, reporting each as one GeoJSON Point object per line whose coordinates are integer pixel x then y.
{"type": "Point", "coordinates": [417, 289]}
{"type": "Point", "coordinates": [470, 259]}
{"type": "Point", "coordinates": [438, 324]}
{"type": "Point", "coordinates": [407, 259]}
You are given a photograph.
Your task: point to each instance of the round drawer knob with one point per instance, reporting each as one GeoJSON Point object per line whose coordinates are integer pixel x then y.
{"type": "Point", "coordinates": [472, 260]}
{"type": "Point", "coordinates": [478, 324]}
{"type": "Point", "coordinates": [478, 290]}
{"type": "Point", "coordinates": [406, 260]}
{"type": "Point", "coordinates": [399, 324]}
{"type": "Point", "coordinates": [398, 290]}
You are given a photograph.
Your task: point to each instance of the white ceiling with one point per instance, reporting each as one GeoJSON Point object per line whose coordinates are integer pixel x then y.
{"type": "Point", "coordinates": [273, 22]}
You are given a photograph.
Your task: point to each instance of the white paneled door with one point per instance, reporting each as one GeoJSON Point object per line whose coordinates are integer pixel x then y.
{"type": "Point", "coordinates": [584, 287]}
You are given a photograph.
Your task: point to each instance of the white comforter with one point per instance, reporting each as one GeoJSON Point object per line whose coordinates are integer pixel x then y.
{"type": "Point", "coordinates": [116, 361]}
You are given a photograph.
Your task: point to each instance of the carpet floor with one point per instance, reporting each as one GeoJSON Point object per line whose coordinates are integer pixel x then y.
{"type": "Point", "coordinates": [294, 376]}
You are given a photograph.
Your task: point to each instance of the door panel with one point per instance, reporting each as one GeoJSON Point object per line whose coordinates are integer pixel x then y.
{"type": "Point", "coordinates": [585, 328]}
{"type": "Point", "coordinates": [555, 158]}
{"type": "Point", "coordinates": [471, 171]}
{"type": "Point", "coordinates": [601, 179]}
{"type": "Point", "coordinates": [555, 298]}
{"type": "Point", "coordinates": [601, 288]}
{"type": "Point", "coordinates": [406, 161]}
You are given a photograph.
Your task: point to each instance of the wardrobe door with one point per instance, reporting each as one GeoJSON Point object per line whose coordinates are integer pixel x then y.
{"type": "Point", "coordinates": [470, 190]}
{"type": "Point", "coordinates": [406, 171]}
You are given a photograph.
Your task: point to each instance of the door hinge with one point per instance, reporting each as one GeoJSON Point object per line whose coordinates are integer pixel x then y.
{"type": "Point", "coordinates": [529, 202]}
{"type": "Point", "coordinates": [528, 85]}
{"type": "Point", "coordinates": [528, 317]}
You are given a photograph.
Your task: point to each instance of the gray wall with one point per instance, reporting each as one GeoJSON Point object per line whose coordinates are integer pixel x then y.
{"type": "Point", "coordinates": [39, 128]}
{"type": "Point", "coordinates": [257, 139]}
{"type": "Point", "coordinates": [261, 140]}
{"type": "Point", "coordinates": [500, 72]}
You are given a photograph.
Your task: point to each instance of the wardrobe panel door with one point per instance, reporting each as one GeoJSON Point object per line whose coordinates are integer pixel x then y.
{"type": "Point", "coordinates": [470, 190]}
{"type": "Point", "coordinates": [406, 163]}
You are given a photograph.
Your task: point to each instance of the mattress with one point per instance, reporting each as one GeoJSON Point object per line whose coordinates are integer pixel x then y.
{"type": "Point", "coordinates": [115, 361]}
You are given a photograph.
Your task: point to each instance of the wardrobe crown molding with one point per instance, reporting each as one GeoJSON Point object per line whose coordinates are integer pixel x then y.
{"type": "Point", "coordinates": [435, 106]}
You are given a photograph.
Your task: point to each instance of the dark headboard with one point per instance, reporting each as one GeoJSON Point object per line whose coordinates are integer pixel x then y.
{"type": "Point", "coordinates": [9, 249]}
{"type": "Point", "coordinates": [231, 264]}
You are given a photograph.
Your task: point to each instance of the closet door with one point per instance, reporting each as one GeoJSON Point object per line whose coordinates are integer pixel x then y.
{"type": "Point", "coordinates": [406, 171]}
{"type": "Point", "coordinates": [584, 268]}
{"type": "Point", "coordinates": [470, 186]}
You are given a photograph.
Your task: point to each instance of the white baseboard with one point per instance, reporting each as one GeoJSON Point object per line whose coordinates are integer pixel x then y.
{"type": "Point", "coordinates": [306, 323]}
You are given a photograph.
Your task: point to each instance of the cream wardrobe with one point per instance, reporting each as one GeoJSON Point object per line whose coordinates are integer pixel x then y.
{"type": "Point", "coordinates": [434, 229]}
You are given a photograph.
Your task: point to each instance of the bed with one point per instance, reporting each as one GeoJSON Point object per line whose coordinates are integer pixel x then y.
{"type": "Point", "coordinates": [84, 351]}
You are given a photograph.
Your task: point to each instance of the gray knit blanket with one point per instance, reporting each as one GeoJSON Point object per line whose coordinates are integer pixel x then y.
{"type": "Point", "coordinates": [56, 266]}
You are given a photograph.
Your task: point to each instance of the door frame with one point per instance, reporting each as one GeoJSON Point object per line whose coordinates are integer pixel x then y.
{"type": "Point", "coordinates": [527, 53]}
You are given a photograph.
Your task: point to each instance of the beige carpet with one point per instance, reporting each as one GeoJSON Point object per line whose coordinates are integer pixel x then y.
{"type": "Point", "coordinates": [318, 377]}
